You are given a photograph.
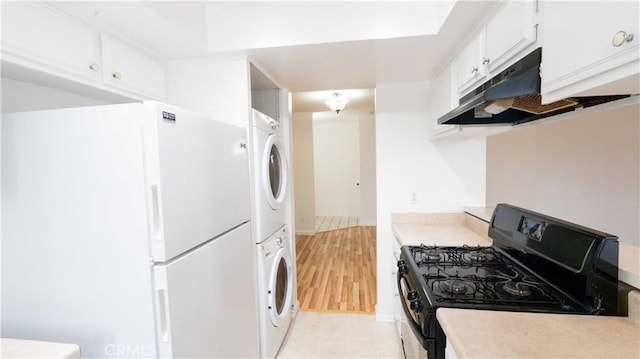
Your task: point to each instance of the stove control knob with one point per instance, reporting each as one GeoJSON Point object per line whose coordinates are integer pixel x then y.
{"type": "Point", "coordinates": [402, 267]}
{"type": "Point", "coordinates": [414, 301]}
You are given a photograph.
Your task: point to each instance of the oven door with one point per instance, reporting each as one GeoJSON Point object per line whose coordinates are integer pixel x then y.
{"type": "Point", "coordinates": [413, 339]}
{"type": "Point", "coordinates": [410, 344]}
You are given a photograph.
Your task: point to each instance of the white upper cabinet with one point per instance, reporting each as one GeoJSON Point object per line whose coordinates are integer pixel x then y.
{"type": "Point", "coordinates": [130, 69]}
{"type": "Point", "coordinates": [442, 99]}
{"type": "Point", "coordinates": [510, 33]}
{"type": "Point", "coordinates": [590, 48]}
{"type": "Point", "coordinates": [511, 30]}
{"type": "Point", "coordinates": [38, 36]}
{"type": "Point", "coordinates": [42, 38]}
{"type": "Point", "coordinates": [470, 70]}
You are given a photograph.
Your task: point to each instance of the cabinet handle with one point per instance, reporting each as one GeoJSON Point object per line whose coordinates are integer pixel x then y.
{"type": "Point", "coordinates": [620, 38]}
{"type": "Point", "coordinates": [474, 69]}
{"type": "Point", "coordinates": [94, 67]}
{"type": "Point", "coordinates": [485, 60]}
{"type": "Point", "coordinates": [117, 75]}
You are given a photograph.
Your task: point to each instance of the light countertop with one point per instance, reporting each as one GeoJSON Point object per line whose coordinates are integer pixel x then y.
{"type": "Point", "coordinates": [442, 229]}
{"type": "Point", "coordinates": [19, 348]}
{"type": "Point", "coordinates": [483, 213]}
{"type": "Point", "coordinates": [438, 234]}
{"type": "Point", "coordinates": [629, 264]}
{"type": "Point", "coordinates": [492, 334]}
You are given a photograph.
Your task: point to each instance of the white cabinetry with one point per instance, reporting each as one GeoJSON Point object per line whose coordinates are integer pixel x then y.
{"type": "Point", "coordinates": [129, 69]}
{"type": "Point", "coordinates": [510, 33]}
{"type": "Point", "coordinates": [42, 39]}
{"type": "Point", "coordinates": [45, 39]}
{"type": "Point", "coordinates": [397, 305]}
{"type": "Point", "coordinates": [579, 57]}
{"type": "Point", "coordinates": [442, 99]}
{"type": "Point", "coordinates": [470, 70]}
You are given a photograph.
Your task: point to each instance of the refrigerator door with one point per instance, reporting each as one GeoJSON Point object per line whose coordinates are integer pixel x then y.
{"type": "Point", "coordinates": [198, 179]}
{"type": "Point", "coordinates": [75, 254]}
{"type": "Point", "coordinates": [206, 303]}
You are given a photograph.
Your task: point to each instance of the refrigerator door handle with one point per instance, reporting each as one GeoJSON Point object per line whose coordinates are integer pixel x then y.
{"type": "Point", "coordinates": [163, 306]}
{"type": "Point", "coordinates": [155, 199]}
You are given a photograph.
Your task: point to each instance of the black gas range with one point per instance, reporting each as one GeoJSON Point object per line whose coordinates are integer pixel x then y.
{"type": "Point", "coordinates": [537, 264]}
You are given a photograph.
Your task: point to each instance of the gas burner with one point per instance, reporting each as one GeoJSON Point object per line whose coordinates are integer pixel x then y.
{"type": "Point", "coordinates": [519, 289]}
{"type": "Point", "coordinates": [519, 286]}
{"type": "Point", "coordinates": [480, 256]}
{"type": "Point", "coordinates": [456, 286]}
{"type": "Point", "coordinates": [430, 255]}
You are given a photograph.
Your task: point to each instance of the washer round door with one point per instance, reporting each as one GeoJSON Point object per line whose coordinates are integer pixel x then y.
{"type": "Point", "coordinates": [274, 169]}
{"type": "Point", "coordinates": [280, 288]}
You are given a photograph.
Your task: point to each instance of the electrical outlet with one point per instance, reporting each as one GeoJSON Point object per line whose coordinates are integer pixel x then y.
{"type": "Point", "coordinates": [302, 219]}
{"type": "Point", "coordinates": [413, 198]}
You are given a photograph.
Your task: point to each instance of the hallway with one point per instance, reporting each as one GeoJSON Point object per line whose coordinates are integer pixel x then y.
{"type": "Point", "coordinates": [337, 270]}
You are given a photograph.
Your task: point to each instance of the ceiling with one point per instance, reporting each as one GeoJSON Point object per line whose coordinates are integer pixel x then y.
{"type": "Point", "coordinates": [311, 71]}
{"type": "Point", "coordinates": [360, 100]}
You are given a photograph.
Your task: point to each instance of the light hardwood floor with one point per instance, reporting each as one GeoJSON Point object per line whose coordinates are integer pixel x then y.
{"type": "Point", "coordinates": [337, 270]}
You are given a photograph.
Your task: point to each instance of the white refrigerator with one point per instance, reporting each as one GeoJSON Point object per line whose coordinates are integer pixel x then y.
{"type": "Point", "coordinates": [125, 229]}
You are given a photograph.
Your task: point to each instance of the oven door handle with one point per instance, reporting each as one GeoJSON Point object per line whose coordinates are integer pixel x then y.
{"type": "Point", "coordinates": [415, 327]}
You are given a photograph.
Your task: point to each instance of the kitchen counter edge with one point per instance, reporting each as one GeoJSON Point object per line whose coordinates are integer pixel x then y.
{"type": "Point", "coordinates": [496, 334]}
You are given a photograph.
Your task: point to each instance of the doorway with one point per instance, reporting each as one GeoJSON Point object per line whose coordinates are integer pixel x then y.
{"type": "Point", "coordinates": [333, 162]}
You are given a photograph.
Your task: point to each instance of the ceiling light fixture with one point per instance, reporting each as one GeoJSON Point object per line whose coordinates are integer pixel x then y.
{"type": "Point", "coordinates": [337, 102]}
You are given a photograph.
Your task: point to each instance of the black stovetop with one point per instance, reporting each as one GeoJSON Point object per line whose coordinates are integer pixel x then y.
{"type": "Point", "coordinates": [483, 276]}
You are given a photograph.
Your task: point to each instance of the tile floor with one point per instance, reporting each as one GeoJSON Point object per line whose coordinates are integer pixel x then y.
{"type": "Point", "coordinates": [324, 224]}
{"type": "Point", "coordinates": [337, 335]}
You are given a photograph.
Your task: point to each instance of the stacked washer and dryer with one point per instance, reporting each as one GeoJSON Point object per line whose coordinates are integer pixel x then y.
{"type": "Point", "coordinates": [275, 267]}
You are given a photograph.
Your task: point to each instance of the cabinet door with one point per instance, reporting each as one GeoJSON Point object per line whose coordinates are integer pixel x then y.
{"type": "Point", "coordinates": [579, 57]}
{"type": "Point", "coordinates": [442, 99]}
{"type": "Point", "coordinates": [510, 31]}
{"type": "Point", "coordinates": [35, 35]}
{"type": "Point", "coordinates": [469, 64]}
{"type": "Point", "coordinates": [131, 70]}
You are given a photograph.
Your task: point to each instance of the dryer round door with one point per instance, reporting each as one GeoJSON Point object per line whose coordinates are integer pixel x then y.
{"type": "Point", "coordinates": [274, 169]}
{"type": "Point", "coordinates": [280, 288]}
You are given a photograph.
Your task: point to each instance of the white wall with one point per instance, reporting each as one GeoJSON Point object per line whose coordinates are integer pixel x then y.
{"type": "Point", "coordinates": [585, 169]}
{"type": "Point", "coordinates": [368, 194]}
{"type": "Point", "coordinates": [18, 96]}
{"type": "Point", "coordinates": [216, 88]}
{"type": "Point", "coordinates": [305, 200]}
{"type": "Point", "coordinates": [303, 172]}
{"type": "Point", "coordinates": [445, 175]}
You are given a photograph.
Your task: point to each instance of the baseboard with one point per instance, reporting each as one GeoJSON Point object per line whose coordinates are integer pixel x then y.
{"type": "Point", "coordinates": [305, 233]}
{"type": "Point", "coordinates": [373, 224]}
{"type": "Point", "coordinates": [385, 318]}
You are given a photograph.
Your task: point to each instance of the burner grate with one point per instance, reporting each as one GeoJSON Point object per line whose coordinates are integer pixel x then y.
{"type": "Point", "coordinates": [455, 256]}
{"type": "Point", "coordinates": [470, 276]}
{"type": "Point", "coordinates": [504, 286]}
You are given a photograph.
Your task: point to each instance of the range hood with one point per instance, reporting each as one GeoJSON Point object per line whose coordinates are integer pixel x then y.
{"type": "Point", "coordinates": [513, 97]}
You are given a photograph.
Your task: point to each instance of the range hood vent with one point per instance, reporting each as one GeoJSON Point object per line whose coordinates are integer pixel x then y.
{"type": "Point", "coordinates": [513, 97]}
